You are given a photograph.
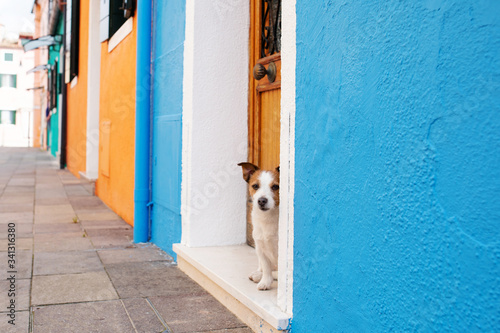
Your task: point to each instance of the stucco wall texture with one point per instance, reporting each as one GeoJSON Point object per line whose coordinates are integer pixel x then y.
{"type": "Point", "coordinates": [168, 56]}
{"type": "Point", "coordinates": [117, 106]}
{"type": "Point", "coordinates": [397, 191]}
{"type": "Point", "coordinates": [76, 147]}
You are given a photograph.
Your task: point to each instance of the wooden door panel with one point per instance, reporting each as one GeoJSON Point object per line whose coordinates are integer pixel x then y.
{"type": "Point", "coordinates": [269, 133]}
{"type": "Point", "coordinates": [264, 105]}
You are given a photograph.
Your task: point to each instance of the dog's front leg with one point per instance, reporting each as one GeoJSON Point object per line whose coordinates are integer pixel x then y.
{"type": "Point", "coordinates": [257, 275]}
{"type": "Point", "coordinates": [267, 271]}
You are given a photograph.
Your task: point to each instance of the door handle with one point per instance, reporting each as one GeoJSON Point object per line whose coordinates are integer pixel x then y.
{"type": "Point", "coordinates": [259, 71]}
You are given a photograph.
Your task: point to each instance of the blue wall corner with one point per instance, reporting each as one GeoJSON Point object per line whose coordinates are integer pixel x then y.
{"type": "Point", "coordinates": [168, 61]}
{"type": "Point", "coordinates": [397, 172]}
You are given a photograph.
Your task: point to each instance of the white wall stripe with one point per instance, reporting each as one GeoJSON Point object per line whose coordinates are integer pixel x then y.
{"type": "Point", "coordinates": [187, 116]}
{"type": "Point", "coordinates": [287, 156]}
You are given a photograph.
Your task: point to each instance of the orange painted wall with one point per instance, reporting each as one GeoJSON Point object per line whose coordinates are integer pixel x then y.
{"type": "Point", "coordinates": [115, 184]}
{"type": "Point", "coordinates": [76, 146]}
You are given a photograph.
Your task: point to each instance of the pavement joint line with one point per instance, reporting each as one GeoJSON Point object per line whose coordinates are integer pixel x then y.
{"type": "Point", "coordinates": [128, 315]}
{"type": "Point", "coordinates": [80, 302]}
{"type": "Point", "coordinates": [31, 316]}
{"type": "Point", "coordinates": [79, 273]}
{"type": "Point", "coordinates": [160, 318]}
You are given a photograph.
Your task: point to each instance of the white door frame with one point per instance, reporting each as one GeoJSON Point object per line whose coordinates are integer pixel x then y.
{"type": "Point", "coordinates": [215, 130]}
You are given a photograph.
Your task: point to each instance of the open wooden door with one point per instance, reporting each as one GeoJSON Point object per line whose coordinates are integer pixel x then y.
{"type": "Point", "coordinates": [264, 88]}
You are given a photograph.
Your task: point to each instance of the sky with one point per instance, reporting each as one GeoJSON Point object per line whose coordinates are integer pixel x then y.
{"type": "Point", "coordinates": [16, 15]}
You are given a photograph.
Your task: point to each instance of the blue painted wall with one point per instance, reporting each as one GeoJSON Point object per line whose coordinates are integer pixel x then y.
{"type": "Point", "coordinates": [397, 197]}
{"type": "Point", "coordinates": [168, 58]}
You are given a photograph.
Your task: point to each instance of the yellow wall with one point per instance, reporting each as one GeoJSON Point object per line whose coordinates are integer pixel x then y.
{"type": "Point", "coordinates": [115, 184]}
{"type": "Point", "coordinates": [76, 148]}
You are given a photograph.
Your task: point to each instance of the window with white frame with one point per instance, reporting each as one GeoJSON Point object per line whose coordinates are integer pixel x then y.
{"type": "Point", "coordinates": [8, 81]}
{"type": "Point", "coordinates": [114, 14]}
{"type": "Point", "coordinates": [7, 117]}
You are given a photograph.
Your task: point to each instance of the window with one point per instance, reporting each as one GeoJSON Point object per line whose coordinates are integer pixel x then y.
{"type": "Point", "coordinates": [9, 57]}
{"type": "Point", "coordinates": [53, 85]}
{"type": "Point", "coordinates": [8, 81]}
{"type": "Point", "coordinates": [114, 13]}
{"type": "Point", "coordinates": [8, 117]}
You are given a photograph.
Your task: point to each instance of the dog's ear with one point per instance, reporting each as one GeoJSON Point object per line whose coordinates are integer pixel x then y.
{"type": "Point", "coordinates": [278, 169]}
{"type": "Point", "coordinates": [248, 170]}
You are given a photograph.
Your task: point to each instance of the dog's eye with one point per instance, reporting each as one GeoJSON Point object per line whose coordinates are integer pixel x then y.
{"type": "Point", "coordinates": [275, 187]}
{"type": "Point", "coordinates": [255, 186]}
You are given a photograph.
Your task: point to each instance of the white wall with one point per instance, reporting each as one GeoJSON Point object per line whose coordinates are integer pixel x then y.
{"type": "Point", "coordinates": [19, 99]}
{"type": "Point", "coordinates": [93, 92]}
{"type": "Point", "coordinates": [215, 129]}
{"type": "Point", "coordinates": [287, 156]}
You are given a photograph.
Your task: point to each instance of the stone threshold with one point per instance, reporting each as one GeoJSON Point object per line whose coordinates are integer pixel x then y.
{"type": "Point", "coordinates": [223, 271]}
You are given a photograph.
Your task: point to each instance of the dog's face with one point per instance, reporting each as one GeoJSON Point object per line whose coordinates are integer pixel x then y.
{"type": "Point", "coordinates": [263, 186]}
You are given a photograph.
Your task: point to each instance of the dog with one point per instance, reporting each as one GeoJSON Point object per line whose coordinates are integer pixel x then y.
{"type": "Point", "coordinates": [263, 187]}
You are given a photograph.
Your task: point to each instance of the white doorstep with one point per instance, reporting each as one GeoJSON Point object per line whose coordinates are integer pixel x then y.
{"type": "Point", "coordinates": [229, 267]}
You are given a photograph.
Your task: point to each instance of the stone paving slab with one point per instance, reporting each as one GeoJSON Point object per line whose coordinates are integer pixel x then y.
{"type": "Point", "coordinates": [22, 182]}
{"type": "Point", "coordinates": [133, 255]}
{"type": "Point", "coordinates": [23, 217]}
{"type": "Point", "coordinates": [61, 209]}
{"type": "Point", "coordinates": [49, 219]}
{"type": "Point", "coordinates": [15, 207]}
{"type": "Point", "coordinates": [196, 313]}
{"type": "Point", "coordinates": [23, 264]}
{"type": "Point", "coordinates": [23, 230]}
{"type": "Point", "coordinates": [131, 280]}
{"type": "Point", "coordinates": [120, 238]}
{"type": "Point", "coordinates": [21, 321]}
{"type": "Point", "coordinates": [93, 233]}
{"type": "Point", "coordinates": [87, 203]}
{"type": "Point", "coordinates": [51, 201]}
{"type": "Point", "coordinates": [18, 198]}
{"type": "Point", "coordinates": [72, 288]}
{"type": "Point", "coordinates": [92, 317]}
{"type": "Point", "coordinates": [105, 224]}
{"type": "Point", "coordinates": [74, 241]}
{"type": "Point", "coordinates": [102, 215]}
{"type": "Point", "coordinates": [21, 244]}
{"type": "Point", "coordinates": [76, 191]}
{"type": "Point", "coordinates": [143, 315]}
{"type": "Point", "coordinates": [18, 189]}
{"type": "Point", "coordinates": [57, 228]}
{"type": "Point", "coordinates": [72, 262]}
{"type": "Point", "coordinates": [21, 290]}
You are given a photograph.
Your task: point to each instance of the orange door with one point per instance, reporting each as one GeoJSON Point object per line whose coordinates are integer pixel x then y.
{"type": "Point", "coordinates": [264, 87]}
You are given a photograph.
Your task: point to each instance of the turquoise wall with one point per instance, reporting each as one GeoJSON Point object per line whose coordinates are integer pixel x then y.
{"type": "Point", "coordinates": [397, 193]}
{"type": "Point", "coordinates": [168, 58]}
{"type": "Point", "coordinates": [53, 134]}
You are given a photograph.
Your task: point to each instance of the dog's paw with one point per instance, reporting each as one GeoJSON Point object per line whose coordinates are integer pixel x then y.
{"type": "Point", "coordinates": [265, 284]}
{"type": "Point", "coordinates": [255, 276]}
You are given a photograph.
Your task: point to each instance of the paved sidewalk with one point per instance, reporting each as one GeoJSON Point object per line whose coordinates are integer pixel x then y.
{"type": "Point", "coordinates": [76, 268]}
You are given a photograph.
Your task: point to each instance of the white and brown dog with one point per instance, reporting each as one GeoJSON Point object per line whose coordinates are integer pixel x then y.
{"type": "Point", "coordinates": [263, 186]}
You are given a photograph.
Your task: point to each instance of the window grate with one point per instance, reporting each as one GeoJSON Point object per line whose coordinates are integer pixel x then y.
{"type": "Point", "coordinates": [271, 27]}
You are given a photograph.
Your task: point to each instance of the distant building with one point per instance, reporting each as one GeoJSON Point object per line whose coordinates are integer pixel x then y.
{"type": "Point", "coordinates": [47, 75]}
{"type": "Point", "coordinates": [16, 106]}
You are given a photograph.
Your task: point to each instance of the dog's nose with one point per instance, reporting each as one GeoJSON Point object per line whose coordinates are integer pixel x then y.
{"type": "Point", "coordinates": [262, 202]}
